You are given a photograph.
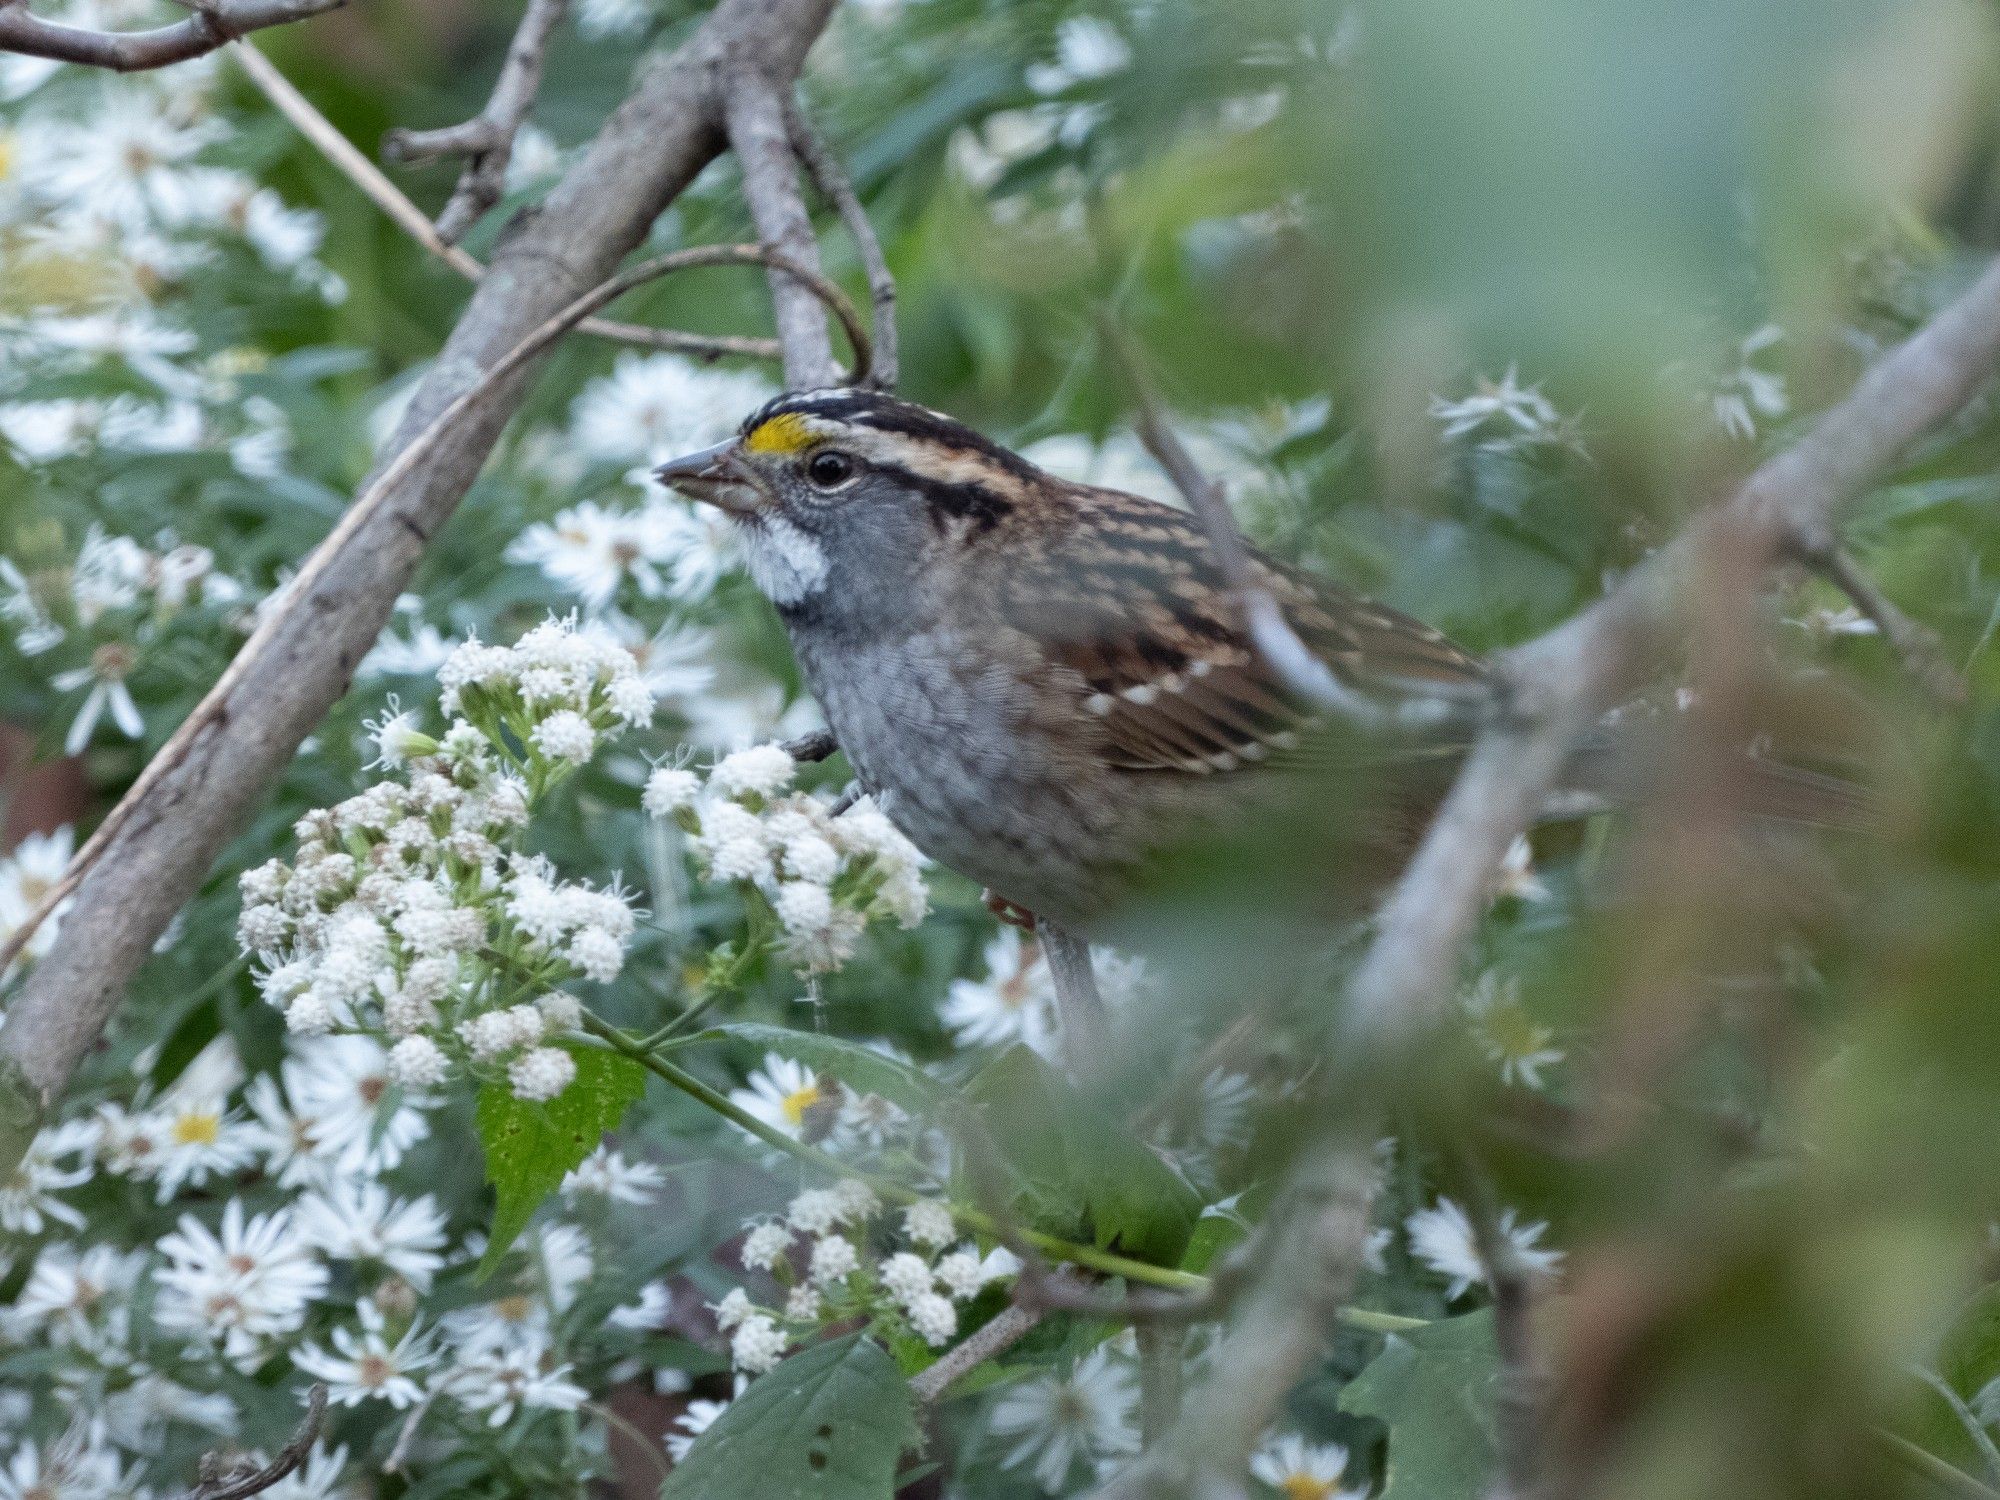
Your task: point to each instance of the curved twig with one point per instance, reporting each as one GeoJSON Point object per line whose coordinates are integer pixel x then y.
{"type": "Point", "coordinates": [243, 1486]}
{"type": "Point", "coordinates": [215, 702]}
{"type": "Point", "coordinates": [830, 178]}
{"type": "Point", "coordinates": [213, 24]}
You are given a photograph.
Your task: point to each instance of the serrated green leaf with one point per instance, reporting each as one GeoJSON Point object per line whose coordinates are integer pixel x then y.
{"type": "Point", "coordinates": [1434, 1390]}
{"type": "Point", "coordinates": [827, 1424]}
{"type": "Point", "coordinates": [530, 1146]}
{"type": "Point", "coordinates": [857, 1066]}
{"type": "Point", "coordinates": [1073, 1164]}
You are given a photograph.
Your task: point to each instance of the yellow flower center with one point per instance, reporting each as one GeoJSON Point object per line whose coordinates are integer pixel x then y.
{"type": "Point", "coordinates": [197, 1130]}
{"type": "Point", "coordinates": [513, 1309]}
{"type": "Point", "coordinates": [798, 1101]}
{"type": "Point", "coordinates": [1305, 1487]}
{"type": "Point", "coordinates": [7, 154]}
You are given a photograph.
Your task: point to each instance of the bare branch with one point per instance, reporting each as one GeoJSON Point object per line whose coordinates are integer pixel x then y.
{"type": "Point", "coordinates": [999, 1334]}
{"type": "Point", "coordinates": [162, 844]}
{"type": "Point", "coordinates": [1319, 1241]}
{"type": "Point", "coordinates": [385, 195]}
{"type": "Point", "coordinates": [1518, 1393]}
{"type": "Point", "coordinates": [237, 1485]}
{"type": "Point", "coordinates": [1917, 645]}
{"type": "Point", "coordinates": [486, 141]}
{"type": "Point", "coordinates": [754, 109]}
{"type": "Point", "coordinates": [813, 746]}
{"type": "Point", "coordinates": [213, 23]}
{"type": "Point", "coordinates": [830, 178]}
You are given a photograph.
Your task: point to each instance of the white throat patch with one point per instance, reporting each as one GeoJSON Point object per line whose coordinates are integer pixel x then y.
{"type": "Point", "coordinates": [786, 565]}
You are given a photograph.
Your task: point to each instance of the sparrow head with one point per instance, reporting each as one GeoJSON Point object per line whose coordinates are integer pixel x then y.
{"type": "Point", "coordinates": [853, 489]}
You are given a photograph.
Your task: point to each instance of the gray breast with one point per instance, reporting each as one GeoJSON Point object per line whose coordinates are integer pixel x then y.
{"type": "Point", "coordinates": [954, 743]}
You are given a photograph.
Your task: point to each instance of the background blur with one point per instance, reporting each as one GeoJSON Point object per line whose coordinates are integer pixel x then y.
{"type": "Point", "coordinates": [1468, 306]}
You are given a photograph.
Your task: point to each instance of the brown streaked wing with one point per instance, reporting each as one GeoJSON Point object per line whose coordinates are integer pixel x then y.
{"type": "Point", "coordinates": [1132, 602]}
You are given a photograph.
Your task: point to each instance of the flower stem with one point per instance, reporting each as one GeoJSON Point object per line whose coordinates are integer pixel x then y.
{"type": "Point", "coordinates": [1109, 1262]}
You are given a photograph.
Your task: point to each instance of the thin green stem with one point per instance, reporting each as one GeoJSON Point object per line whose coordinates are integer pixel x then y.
{"type": "Point", "coordinates": [1108, 1262]}
{"type": "Point", "coordinates": [1948, 1477]}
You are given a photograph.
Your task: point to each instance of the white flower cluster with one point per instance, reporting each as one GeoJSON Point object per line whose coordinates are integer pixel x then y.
{"type": "Point", "coordinates": [408, 910]}
{"type": "Point", "coordinates": [823, 876]}
{"type": "Point", "coordinates": [823, 1256]}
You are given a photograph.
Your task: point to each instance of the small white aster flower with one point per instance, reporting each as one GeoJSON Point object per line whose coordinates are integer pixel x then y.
{"type": "Point", "coordinates": [833, 1259]}
{"type": "Point", "coordinates": [761, 770]}
{"type": "Point", "coordinates": [855, 1199]}
{"type": "Point", "coordinates": [814, 1211]}
{"type": "Point", "coordinates": [692, 1423]}
{"type": "Point", "coordinates": [1057, 1422]}
{"type": "Point", "coordinates": [668, 790]}
{"type": "Point", "coordinates": [645, 1313]}
{"type": "Point", "coordinates": [565, 735]}
{"type": "Point", "coordinates": [780, 1093]}
{"type": "Point", "coordinates": [1442, 1238]}
{"type": "Point", "coordinates": [541, 1073]}
{"type": "Point", "coordinates": [757, 1344]}
{"type": "Point", "coordinates": [905, 1277]}
{"type": "Point", "coordinates": [1299, 1470]}
{"type": "Point", "coordinates": [764, 1246]}
{"type": "Point", "coordinates": [418, 1062]}
{"type": "Point", "coordinates": [961, 1274]}
{"type": "Point", "coordinates": [732, 1309]}
{"type": "Point", "coordinates": [929, 1224]}
{"type": "Point", "coordinates": [612, 1176]}
{"type": "Point", "coordinates": [364, 1366]}
{"type": "Point", "coordinates": [501, 1380]}
{"type": "Point", "coordinates": [934, 1319]}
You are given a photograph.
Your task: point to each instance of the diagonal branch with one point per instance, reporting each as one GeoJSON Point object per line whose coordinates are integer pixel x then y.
{"type": "Point", "coordinates": [486, 141]}
{"type": "Point", "coordinates": [830, 178]}
{"type": "Point", "coordinates": [754, 110]}
{"type": "Point", "coordinates": [1552, 690]}
{"type": "Point", "coordinates": [213, 23]}
{"type": "Point", "coordinates": [349, 161]}
{"type": "Point", "coordinates": [650, 148]}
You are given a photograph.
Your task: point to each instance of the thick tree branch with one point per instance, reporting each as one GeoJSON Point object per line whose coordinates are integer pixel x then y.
{"type": "Point", "coordinates": [754, 109]}
{"type": "Point", "coordinates": [385, 195]}
{"type": "Point", "coordinates": [213, 23]}
{"type": "Point", "coordinates": [830, 178]}
{"type": "Point", "coordinates": [650, 148]}
{"type": "Point", "coordinates": [486, 141]}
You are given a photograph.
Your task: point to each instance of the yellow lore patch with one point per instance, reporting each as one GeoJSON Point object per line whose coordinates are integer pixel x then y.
{"type": "Point", "coordinates": [785, 433]}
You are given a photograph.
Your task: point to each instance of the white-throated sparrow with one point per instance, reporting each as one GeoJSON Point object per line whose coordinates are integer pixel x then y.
{"type": "Point", "coordinates": [1048, 684]}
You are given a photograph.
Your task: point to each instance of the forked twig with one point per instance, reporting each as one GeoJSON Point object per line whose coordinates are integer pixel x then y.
{"type": "Point", "coordinates": [486, 141]}
{"type": "Point", "coordinates": [354, 165]}
{"type": "Point", "coordinates": [241, 1486]}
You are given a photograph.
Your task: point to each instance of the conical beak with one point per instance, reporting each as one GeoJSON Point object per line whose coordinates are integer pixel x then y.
{"type": "Point", "coordinates": [717, 476]}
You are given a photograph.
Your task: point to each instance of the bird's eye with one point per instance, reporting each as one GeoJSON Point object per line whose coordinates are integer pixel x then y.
{"type": "Point", "coordinates": [829, 469]}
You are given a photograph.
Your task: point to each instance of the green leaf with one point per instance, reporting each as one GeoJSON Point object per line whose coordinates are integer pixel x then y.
{"type": "Point", "coordinates": [827, 1424]}
{"type": "Point", "coordinates": [1434, 1389]}
{"type": "Point", "coordinates": [1073, 1162]}
{"type": "Point", "coordinates": [859, 1067]}
{"type": "Point", "coordinates": [1968, 1359]}
{"type": "Point", "coordinates": [530, 1146]}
